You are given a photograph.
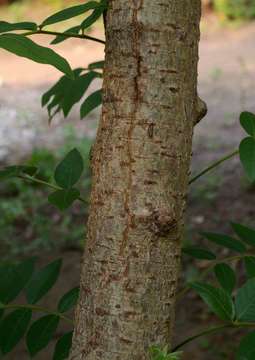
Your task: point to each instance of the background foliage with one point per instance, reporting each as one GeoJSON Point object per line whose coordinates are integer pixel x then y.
{"type": "Point", "coordinates": [236, 9]}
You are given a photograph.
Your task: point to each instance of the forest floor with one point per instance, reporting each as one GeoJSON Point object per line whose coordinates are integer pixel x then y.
{"type": "Point", "coordinates": [226, 83]}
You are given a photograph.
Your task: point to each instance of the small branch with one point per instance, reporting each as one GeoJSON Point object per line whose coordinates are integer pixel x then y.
{"type": "Point", "coordinates": [201, 110]}
{"type": "Point", "coordinates": [45, 183]}
{"type": "Point", "coordinates": [214, 165]}
{"type": "Point", "coordinates": [37, 309]}
{"type": "Point", "coordinates": [201, 334]}
{"type": "Point", "coordinates": [212, 331]}
{"type": "Point", "coordinates": [39, 181]}
{"type": "Point", "coordinates": [67, 35]}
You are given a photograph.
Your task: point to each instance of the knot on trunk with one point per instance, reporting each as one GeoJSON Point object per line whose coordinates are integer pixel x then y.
{"type": "Point", "coordinates": [201, 110]}
{"type": "Point", "coordinates": [163, 222]}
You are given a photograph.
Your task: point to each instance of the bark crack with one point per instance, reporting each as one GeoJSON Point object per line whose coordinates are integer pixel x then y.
{"type": "Point", "coordinates": [136, 100]}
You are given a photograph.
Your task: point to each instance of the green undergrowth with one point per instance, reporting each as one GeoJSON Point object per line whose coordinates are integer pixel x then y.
{"type": "Point", "coordinates": [28, 223]}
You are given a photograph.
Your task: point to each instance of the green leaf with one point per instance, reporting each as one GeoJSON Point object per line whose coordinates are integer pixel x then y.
{"type": "Point", "coordinates": [91, 19]}
{"type": "Point", "coordinates": [13, 279]}
{"type": "Point", "coordinates": [16, 170]}
{"type": "Point", "coordinates": [13, 327]}
{"type": "Point", "coordinates": [245, 233]}
{"type": "Point", "coordinates": [247, 120]}
{"type": "Point", "coordinates": [199, 253]}
{"type": "Point", "coordinates": [63, 347]}
{"type": "Point", "coordinates": [245, 302]}
{"type": "Point", "coordinates": [96, 65]}
{"type": "Point", "coordinates": [74, 93]}
{"type": "Point", "coordinates": [60, 38]}
{"type": "Point", "coordinates": [59, 86]}
{"type": "Point", "coordinates": [225, 241]}
{"type": "Point", "coordinates": [91, 103]}
{"type": "Point", "coordinates": [70, 13]}
{"type": "Point", "coordinates": [218, 300]}
{"type": "Point", "coordinates": [246, 349]}
{"type": "Point", "coordinates": [69, 300]}
{"type": "Point", "coordinates": [69, 171]}
{"type": "Point", "coordinates": [24, 47]}
{"type": "Point", "coordinates": [247, 157]}
{"type": "Point", "coordinates": [42, 281]}
{"type": "Point", "coordinates": [63, 199]}
{"type": "Point", "coordinates": [40, 333]}
{"type": "Point", "coordinates": [6, 26]}
{"type": "Point", "coordinates": [8, 282]}
{"type": "Point", "coordinates": [225, 276]}
{"type": "Point", "coordinates": [66, 93]}
{"type": "Point", "coordinates": [25, 270]}
{"type": "Point", "coordinates": [249, 262]}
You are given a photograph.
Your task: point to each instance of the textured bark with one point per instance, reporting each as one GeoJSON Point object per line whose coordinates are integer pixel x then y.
{"type": "Point", "coordinates": [140, 169]}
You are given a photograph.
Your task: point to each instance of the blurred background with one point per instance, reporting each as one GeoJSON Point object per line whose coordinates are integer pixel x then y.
{"type": "Point", "coordinates": [31, 226]}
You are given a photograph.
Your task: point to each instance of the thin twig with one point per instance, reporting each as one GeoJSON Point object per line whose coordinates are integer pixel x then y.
{"type": "Point", "coordinates": [45, 183]}
{"type": "Point", "coordinates": [211, 331]}
{"type": "Point", "coordinates": [214, 165]}
{"type": "Point", "coordinates": [37, 309]}
{"type": "Point", "coordinates": [67, 35]}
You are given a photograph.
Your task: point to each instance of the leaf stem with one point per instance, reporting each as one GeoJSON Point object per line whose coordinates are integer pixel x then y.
{"type": "Point", "coordinates": [202, 333]}
{"type": "Point", "coordinates": [213, 165]}
{"type": "Point", "coordinates": [42, 182]}
{"type": "Point", "coordinates": [37, 309]}
{"type": "Point", "coordinates": [67, 35]}
{"type": "Point", "coordinates": [212, 330]}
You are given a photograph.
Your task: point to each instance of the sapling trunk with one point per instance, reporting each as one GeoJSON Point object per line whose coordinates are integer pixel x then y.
{"type": "Point", "coordinates": [140, 166]}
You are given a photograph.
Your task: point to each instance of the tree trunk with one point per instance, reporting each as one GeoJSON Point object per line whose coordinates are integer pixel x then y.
{"type": "Point", "coordinates": [140, 167]}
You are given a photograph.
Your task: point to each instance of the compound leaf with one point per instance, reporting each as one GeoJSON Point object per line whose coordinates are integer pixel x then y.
{"type": "Point", "coordinates": [218, 300]}
{"type": "Point", "coordinates": [66, 92]}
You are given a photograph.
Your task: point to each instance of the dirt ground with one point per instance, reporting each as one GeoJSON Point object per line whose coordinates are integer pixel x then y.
{"type": "Point", "coordinates": [226, 83]}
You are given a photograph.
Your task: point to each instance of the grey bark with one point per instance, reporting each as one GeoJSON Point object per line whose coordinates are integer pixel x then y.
{"type": "Point", "coordinates": [140, 167]}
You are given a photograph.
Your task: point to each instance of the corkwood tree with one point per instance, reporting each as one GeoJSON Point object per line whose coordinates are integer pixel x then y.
{"type": "Point", "coordinates": [140, 167]}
